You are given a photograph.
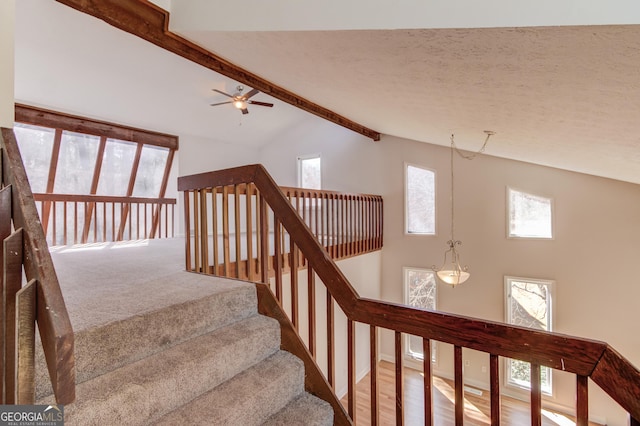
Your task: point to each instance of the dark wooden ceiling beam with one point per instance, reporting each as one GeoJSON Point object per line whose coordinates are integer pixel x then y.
{"type": "Point", "coordinates": [150, 22]}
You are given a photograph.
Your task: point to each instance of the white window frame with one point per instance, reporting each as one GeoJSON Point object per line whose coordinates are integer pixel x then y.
{"type": "Point", "coordinates": [406, 200]}
{"type": "Point", "coordinates": [405, 294]}
{"type": "Point", "coordinates": [510, 234]}
{"type": "Point", "coordinates": [300, 161]}
{"type": "Point", "coordinates": [547, 390]}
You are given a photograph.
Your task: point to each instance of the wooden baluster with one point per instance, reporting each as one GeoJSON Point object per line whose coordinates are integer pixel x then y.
{"type": "Point", "coordinates": [54, 236]}
{"type": "Point", "coordinates": [187, 230]}
{"type": "Point", "coordinates": [263, 245]}
{"type": "Point", "coordinates": [196, 230]}
{"type": "Point", "coordinates": [113, 221]}
{"type": "Point", "coordinates": [294, 284]}
{"type": "Point", "coordinates": [64, 224]}
{"type": "Point", "coordinates": [147, 231]}
{"type": "Point", "coordinates": [75, 222]}
{"type": "Point", "coordinates": [373, 362]}
{"type": "Point", "coordinates": [104, 222]}
{"type": "Point", "coordinates": [316, 210]}
{"type": "Point", "coordinates": [277, 258]}
{"type": "Point", "coordinates": [173, 220]}
{"type": "Point", "coordinates": [138, 221]}
{"type": "Point", "coordinates": [399, 379]}
{"type": "Point", "coordinates": [95, 222]}
{"type": "Point", "coordinates": [204, 231]}
{"type": "Point", "coordinates": [428, 377]}
{"type": "Point", "coordinates": [459, 385]}
{"type": "Point", "coordinates": [26, 336]}
{"type": "Point", "coordinates": [249, 218]}
{"type": "Point", "coordinates": [331, 370]}
{"type": "Point", "coordinates": [582, 400]}
{"type": "Point", "coordinates": [536, 396]}
{"type": "Point", "coordinates": [238, 231]}
{"type": "Point", "coordinates": [214, 231]}
{"type": "Point", "coordinates": [351, 369]}
{"type": "Point", "coordinates": [494, 382]}
{"type": "Point", "coordinates": [225, 231]}
{"type": "Point", "coordinates": [11, 284]}
{"type": "Point", "coordinates": [130, 211]}
{"type": "Point", "coordinates": [320, 208]}
{"type": "Point", "coordinates": [311, 299]}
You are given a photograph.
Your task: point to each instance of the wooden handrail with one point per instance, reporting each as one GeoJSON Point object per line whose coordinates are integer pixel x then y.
{"type": "Point", "coordinates": [52, 318]}
{"type": "Point", "coordinates": [584, 357]}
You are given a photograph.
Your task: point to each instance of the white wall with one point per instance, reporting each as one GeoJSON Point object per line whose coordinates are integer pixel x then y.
{"type": "Point", "coordinates": [596, 232]}
{"type": "Point", "coordinates": [7, 27]}
{"type": "Point", "coordinates": [349, 160]}
{"type": "Point", "coordinates": [597, 226]}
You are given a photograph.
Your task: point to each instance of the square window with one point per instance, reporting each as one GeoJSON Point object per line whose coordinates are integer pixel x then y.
{"type": "Point", "coordinates": [529, 215]}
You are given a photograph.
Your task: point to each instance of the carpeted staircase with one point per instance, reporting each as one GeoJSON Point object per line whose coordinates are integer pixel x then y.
{"type": "Point", "coordinates": [206, 357]}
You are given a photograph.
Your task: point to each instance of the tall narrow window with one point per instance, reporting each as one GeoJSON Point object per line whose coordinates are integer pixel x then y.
{"type": "Point", "coordinates": [530, 216]}
{"type": "Point", "coordinates": [528, 304]}
{"type": "Point", "coordinates": [309, 172]}
{"type": "Point", "coordinates": [420, 200]}
{"type": "Point", "coordinates": [419, 292]}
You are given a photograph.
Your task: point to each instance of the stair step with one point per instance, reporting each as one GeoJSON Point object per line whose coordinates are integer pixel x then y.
{"type": "Point", "coordinates": [151, 387]}
{"type": "Point", "coordinates": [248, 399]}
{"type": "Point", "coordinates": [306, 410]}
{"type": "Point", "coordinates": [105, 348]}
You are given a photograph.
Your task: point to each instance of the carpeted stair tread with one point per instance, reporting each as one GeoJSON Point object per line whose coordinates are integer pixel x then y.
{"type": "Point", "coordinates": [104, 348]}
{"type": "Point", "coordinates": [146, 389]}
{"type": "Point", "coordinates": [306, 410]}
{"type": "Point", "coordinates": [249, 398]}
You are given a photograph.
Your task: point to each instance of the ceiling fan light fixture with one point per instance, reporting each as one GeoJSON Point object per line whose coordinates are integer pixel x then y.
{"type": "Point", "coordinates": [240, 104]}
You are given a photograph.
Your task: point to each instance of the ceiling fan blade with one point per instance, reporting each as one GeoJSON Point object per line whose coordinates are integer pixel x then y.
{"type": "Point", "coordinates": [222, 103]}
{"type": "Point", "coordinates": [222, 93]}
{"type": "Point", "coordinates": [251, 93]}
{"type": "Point", "coordinates": [260, 103]}
{"type": "Point", "coordinates": [245, 111]}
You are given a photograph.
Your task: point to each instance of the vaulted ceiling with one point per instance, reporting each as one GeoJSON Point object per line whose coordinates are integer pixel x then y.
{"type": "Point", "coordinates": [565, 96]}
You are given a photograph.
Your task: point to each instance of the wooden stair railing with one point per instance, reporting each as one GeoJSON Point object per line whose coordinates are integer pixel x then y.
{"type": "Point", "coordinates": [587, 359]}
{"type": "Point", "coordinates": [40, 301]}
{"type": "Point", "coordinates": [81, 219]}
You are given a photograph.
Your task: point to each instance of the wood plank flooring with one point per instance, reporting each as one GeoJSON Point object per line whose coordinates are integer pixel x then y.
{"type": "Point", "coordinates": [477, 408]}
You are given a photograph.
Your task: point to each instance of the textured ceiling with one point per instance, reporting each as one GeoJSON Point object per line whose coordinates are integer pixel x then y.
{"type": "Point", "coordinates": [566, 97]}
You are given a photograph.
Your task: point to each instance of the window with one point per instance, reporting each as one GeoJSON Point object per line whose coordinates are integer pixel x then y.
{"type": "Point", "coordinates": [419, 292]}
{"type": "Point", "coordinates": [530, 216]}
{"type": "Point", "coordinates": [309, 172]}
{"type": "Point", "coordinates": [36, 146]}
{"type": "Point", "coordinates": [81, 169]}
{"type": "Point", "coordinates": [528, 304]}
{"type": "Point", "coordinates": [420, 201]}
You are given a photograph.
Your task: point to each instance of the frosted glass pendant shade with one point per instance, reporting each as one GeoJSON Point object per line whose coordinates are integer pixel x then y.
{"type": "Point", "coordinates": [453, 277]}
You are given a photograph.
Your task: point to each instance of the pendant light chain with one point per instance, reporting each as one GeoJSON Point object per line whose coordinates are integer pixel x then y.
{"type": "Point", "coordinates": [456, 274]}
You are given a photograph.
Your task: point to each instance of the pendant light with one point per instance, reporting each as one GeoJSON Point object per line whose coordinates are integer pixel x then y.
{"type": "Point", "coordinates": [451, 272]}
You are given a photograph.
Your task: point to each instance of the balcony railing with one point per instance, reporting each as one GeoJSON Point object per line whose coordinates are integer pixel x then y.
{"type": "Point", "coordinates": [275, 216]}
{"type": "Point", "coordinates": [81, 219]}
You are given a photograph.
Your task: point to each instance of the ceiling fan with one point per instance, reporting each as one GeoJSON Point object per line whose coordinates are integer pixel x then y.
{"type": "Point", "coordinates": [241, 101]}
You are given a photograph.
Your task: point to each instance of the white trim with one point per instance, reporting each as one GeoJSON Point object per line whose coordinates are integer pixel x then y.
{"type": "Point", "coordinates": [510, 189]}
{"type": "Point", "coordinates": [300, 159]}
{"type": "Point", "coordinates": [405, 298]}
{"type": "Point", "coordinates": [550, 284]}
{"type": "Point", "coordinates": [405, 169]}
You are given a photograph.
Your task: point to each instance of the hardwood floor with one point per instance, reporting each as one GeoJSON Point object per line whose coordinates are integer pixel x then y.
{"type": "Point", "coordinates": [477, 408]}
